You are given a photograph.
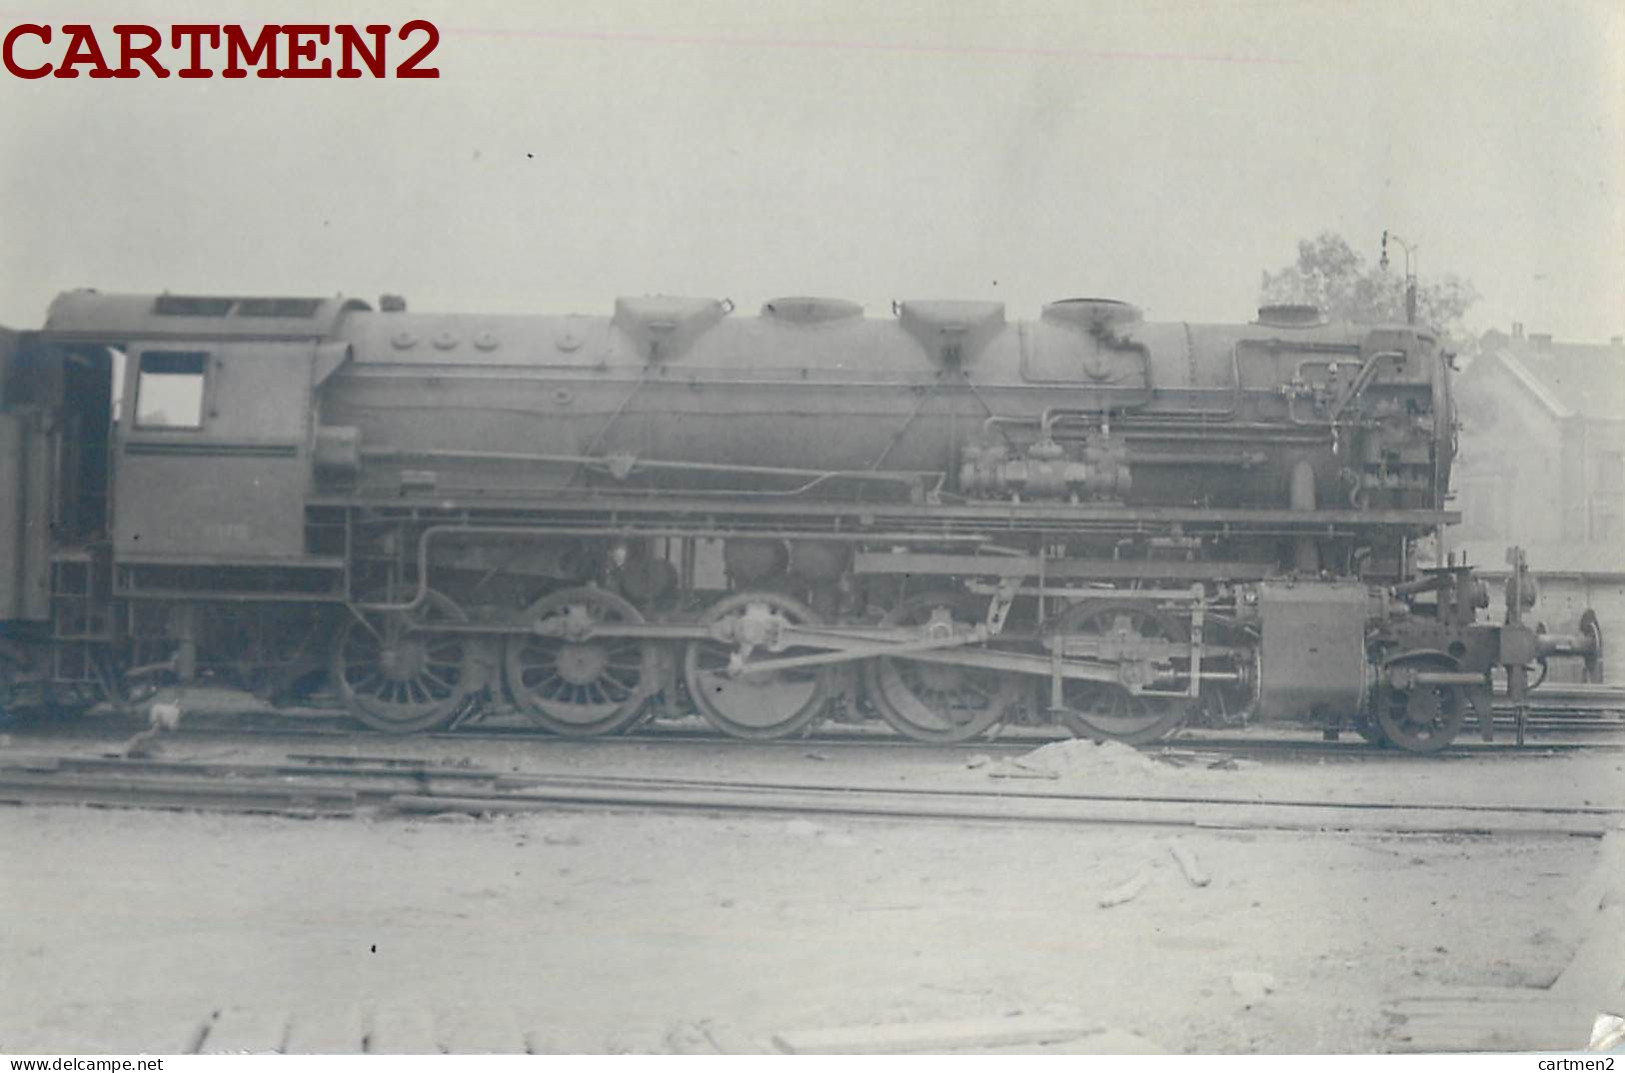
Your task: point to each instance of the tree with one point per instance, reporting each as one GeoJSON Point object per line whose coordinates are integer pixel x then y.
{"type": "Point", "coordinates": [1331, 275]}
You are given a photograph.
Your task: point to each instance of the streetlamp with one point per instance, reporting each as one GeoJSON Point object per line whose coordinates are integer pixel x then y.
{"type": "Point", "coordinates": [1410, 277]}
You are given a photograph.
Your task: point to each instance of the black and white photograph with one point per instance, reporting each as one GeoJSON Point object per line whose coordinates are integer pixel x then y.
{"type": "Point", "coordinates": [938, 527]}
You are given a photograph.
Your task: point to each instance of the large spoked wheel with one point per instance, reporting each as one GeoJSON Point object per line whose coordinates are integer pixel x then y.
{"type": "Point", "coordinates": [577, 684]}
{"type": "Point", "coordinates": [764, 705]}
{"type": "Point", "coordinates": [397, 673]}
{"type": "Point", "coordinates": [1106, 709]}
{"type": "Point", "coordinates": [937, 702]}
{"type": "Point", "coordinates": [1423, 718]}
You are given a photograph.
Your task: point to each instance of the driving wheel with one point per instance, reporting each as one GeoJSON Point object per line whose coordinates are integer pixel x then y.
{"type": "Point", "coordinates": [572, 682]}
{"type": "Point", "coordinates": [397, 673]}
{"type": "Point", "coordinates": [764, 704]}
{"type": "Point", "coordinates": [1098, 710]}
{"type": "Point", "coordinates": [937, 702]}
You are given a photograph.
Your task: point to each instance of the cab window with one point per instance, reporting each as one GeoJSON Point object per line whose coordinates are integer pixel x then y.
{"type": "Point", "coordinates": [169, 390]}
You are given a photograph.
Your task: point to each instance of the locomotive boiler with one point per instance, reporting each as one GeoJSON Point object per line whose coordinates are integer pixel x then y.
{"type": "Point", "coordinates": [942, 519]}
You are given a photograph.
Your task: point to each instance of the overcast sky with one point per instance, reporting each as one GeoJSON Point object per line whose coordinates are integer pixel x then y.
{"type": "Point", "coordinates": [1164, 152]}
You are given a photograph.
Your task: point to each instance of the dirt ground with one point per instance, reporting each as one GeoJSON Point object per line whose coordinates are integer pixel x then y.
{"type": "Point", "coordinates": [609, 932]}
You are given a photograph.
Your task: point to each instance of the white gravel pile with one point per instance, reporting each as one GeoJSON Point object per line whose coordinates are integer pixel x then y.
{"type": "Point", "coordinates": [1080, 758]}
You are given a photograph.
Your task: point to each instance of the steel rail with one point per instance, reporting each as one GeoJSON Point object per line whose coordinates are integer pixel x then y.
{"type": "Point", "coordinates": [331, 725]}
{"type": "Point", "coordinates": [343, 789]}
{"type": "Point", "coordinates": [1007, 809]}
{"type": "Point", "coordinates": [371, 770]}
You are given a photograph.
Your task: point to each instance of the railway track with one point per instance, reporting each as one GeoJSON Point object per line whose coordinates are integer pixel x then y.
{"type": "Point", "coordinates": [1196, 748]}
{"type": "Point", "coordinates": [319, 784]}
{"type": "Point", "coordinates": [328, 731]}
{"type": "Point", "coordinates": [1563, 712]}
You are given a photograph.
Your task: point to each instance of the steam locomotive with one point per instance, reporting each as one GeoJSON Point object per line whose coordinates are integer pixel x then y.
{"type": "Point", "coordinates": [940, 519]}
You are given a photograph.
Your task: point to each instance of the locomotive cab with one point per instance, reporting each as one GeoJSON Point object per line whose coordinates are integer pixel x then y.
{"type": "Point", "coordinates": [212, 453]}
{"type": "Point", "coordinates": [155, 455]}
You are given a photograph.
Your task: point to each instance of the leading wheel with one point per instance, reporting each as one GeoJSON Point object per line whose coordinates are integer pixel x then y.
{"type": "Point", "coordinates": [937, 702]}
{"type": "Point", "coordinates": [574, 683]}
{"type": "Point", "coordinates": [1423, 718]}
{"type": "Point", "coordinates": [1105, 709]}
{"type": "Point", "coordinates": [771, 704]}
{"type": "Point", "coordinates": [397, 673]}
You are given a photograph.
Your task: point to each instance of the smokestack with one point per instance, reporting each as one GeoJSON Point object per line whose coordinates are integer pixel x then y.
{"type": "Point", "coordinates": [1517, 329]}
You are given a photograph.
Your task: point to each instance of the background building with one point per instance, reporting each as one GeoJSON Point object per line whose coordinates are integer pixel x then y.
{"type": "Point", "coordinates": [1542, 465]}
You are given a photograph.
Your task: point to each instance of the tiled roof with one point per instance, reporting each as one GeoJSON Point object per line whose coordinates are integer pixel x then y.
{"type": "Point", "coordinates": [1567, 378]}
